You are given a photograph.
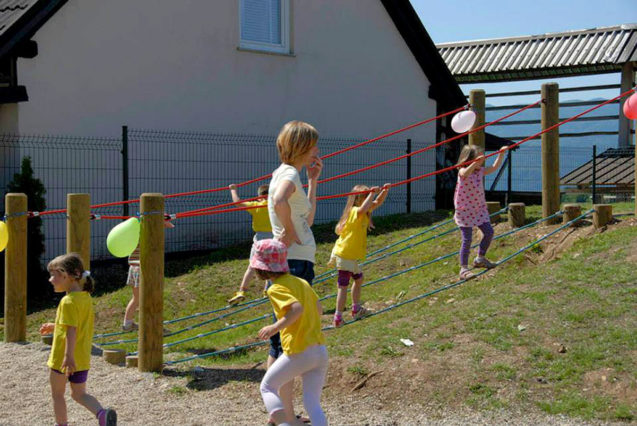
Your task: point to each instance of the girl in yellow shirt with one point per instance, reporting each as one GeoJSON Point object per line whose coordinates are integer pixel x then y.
{"type": "Point", "coordinates": [351, 246]}
{"type": "Point", "coordinates": [72, 336]}
{"type": "Point", "coordinates": [298, 311]}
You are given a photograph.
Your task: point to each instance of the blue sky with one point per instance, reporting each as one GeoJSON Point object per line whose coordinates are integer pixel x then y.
{"type": "Point", "coordinates": [455, 20]}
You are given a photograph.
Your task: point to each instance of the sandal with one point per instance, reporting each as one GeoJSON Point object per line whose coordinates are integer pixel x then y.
{"type": "Point", "coordinates": [483, 263]}
{"type": "Point", "coordinates": [466, 274]}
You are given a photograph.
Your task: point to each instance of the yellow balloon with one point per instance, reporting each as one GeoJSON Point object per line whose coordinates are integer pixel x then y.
{"type": "Point", "coordinates": [4, 236]}
{"type": "Point", "coordinates": [123, 238]}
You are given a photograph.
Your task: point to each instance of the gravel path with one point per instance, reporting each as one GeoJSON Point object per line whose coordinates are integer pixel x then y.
{"type": "Point", "coordinates": [227, 396]}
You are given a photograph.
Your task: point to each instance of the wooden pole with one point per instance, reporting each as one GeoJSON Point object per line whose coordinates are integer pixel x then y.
{"type": "Point", "coordinates": [625, 125]}
{"type": "Point", "coordinates": [78, 226]}
{"type": "Point", "coordinates": [151, 247]}
{"type": "Point", "coordinates": [15, 269]}
{"type": "Point", "coordinates": [571, 211]}
{"type": "Point", "coordinates": [517, 214]}
{"type": "Point", "coordinates": [477, 101]}
{"type": "Point", "coordinates": [602, 215]}
{"type": "Point", "coordinates": [550, 152]}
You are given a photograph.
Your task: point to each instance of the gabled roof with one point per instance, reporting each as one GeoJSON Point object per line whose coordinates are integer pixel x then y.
{"type": "Point", "coordinates": [615, 166]}
{"type": "Point", "coordinates": [444, 87]}
{"type": "Point", "coordinates": [590, 51]}
{"type": "Point", "coordinates": [21, 19]}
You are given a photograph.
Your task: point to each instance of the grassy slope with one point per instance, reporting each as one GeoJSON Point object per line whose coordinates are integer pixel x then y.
{"type": "Point", "coordinates": [490, 343]}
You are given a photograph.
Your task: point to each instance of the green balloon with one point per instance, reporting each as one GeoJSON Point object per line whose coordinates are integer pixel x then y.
{"type": "Point", "coordinates": [123, 238]}
{"type": "Point", "coordinates": [4, 236]}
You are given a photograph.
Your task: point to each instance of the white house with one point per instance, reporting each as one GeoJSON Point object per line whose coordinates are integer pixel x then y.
{"type": "Point", "coordinates": [354, 69]}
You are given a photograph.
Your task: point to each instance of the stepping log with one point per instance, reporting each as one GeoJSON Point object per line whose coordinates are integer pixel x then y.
{"type": "Point", "coordinates": [494, 206]}
{"type": "Point", "coordinates": [571, 211]}
{"type": "Point", "coordinates": [131, 361]}
{"type": "Point", "coordinates": [602, 215]}
{"type": "Point", "coordinates": [516, 214]}
{"type": "Point", "coordinates": [47, 339]}
{"type": "Point", "coordinates": [114, 356]}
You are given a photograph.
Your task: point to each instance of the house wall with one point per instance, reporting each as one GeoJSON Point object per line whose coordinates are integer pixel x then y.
{"type": "Point", "coordinates": [176, 65]}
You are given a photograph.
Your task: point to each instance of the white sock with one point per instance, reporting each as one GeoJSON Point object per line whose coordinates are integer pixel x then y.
{"type": "Point", "coordinates": [128, 322]}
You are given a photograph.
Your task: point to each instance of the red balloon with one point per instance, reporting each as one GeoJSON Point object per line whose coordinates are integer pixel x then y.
{"type": "Point", "coordinates": [630, 107]}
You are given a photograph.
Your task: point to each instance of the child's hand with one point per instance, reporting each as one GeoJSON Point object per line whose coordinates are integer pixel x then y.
{"type": "Point", "coordinates": [504, 148]}
{"type": "Point", "coordinates": [386, 187]}
{"type": "Point", "coordinates": [232, 187]}
{"type": "Point", "coordinates": [47, 328]}
{"type": "Point", "coordinates": [314, 171]}
{"type": "Point", "coordinates": [267, 332]}
{"type": "Point", "coordinates": [68, 365]}
{"type": "Point", "coordinates": [375, 189]}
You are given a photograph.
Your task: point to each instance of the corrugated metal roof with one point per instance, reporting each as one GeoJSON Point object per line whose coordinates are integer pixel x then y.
{"type": "Point", "coordinates": [11, 11]}
{"type": "Point", "coordinates": [615, 166]}
{"type": "Point", "coordinates": [595, 50]}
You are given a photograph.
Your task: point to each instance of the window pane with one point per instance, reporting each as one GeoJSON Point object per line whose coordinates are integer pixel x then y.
{"type": "Point", "coordinates": [261, 21]}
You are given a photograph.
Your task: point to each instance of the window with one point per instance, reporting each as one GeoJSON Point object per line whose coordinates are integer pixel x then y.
{"type": "Point", "coordinates": [264, 25]}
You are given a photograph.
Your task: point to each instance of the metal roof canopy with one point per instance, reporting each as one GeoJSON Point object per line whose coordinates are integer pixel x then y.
{"type": "Point", "coordinates": [564, 54]}
{"type": "Point", "coordinates": [613, 167]}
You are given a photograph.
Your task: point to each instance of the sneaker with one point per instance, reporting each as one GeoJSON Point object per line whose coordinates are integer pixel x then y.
{"type": "Point", "coordinates": [238, 297]}
{"type": "Point", "coordinates": [361, 313]}
{"type": "Point", "coordinates": [107, 417]}
{"type": "Point", "coordinates": [466, 274]}
{"type": "Point", "coordinates": [338, 322]}
{"type": "Point", "coordinates": [483, 263]}
{"type": "Point", "coordinates": [130, 327]}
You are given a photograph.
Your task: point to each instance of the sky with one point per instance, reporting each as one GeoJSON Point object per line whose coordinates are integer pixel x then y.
{"type": "Point", "coordinates": [459, 20]}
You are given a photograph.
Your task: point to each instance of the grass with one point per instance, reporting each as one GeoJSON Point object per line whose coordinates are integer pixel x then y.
{"type": "Point", "coordinates": [498, 336]}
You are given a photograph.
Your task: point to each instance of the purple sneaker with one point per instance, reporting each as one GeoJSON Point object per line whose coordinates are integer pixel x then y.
{"type": "Point", "coordinates": [107, 417]}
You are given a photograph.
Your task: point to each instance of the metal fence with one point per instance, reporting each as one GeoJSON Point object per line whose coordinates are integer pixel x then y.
{"type": "Point", "coordinates": [172, 162]}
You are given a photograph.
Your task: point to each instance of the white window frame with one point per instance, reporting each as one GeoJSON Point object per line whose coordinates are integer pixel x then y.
{"type": "Point", "coordinates": [284, 47]}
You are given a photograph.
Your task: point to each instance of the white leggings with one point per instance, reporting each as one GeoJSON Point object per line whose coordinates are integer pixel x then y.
{"type": "Point", "coordinates": [311, 365]}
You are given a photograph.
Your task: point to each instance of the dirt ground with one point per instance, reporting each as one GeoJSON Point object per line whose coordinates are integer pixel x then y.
{"type": "Point", "coordinates": [227, 396]}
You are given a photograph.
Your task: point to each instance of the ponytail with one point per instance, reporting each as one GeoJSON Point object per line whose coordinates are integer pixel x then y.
{"type": "Point", "coordinates": [72, 264]}
{"type": "Point", "coordinates": [87, 282]}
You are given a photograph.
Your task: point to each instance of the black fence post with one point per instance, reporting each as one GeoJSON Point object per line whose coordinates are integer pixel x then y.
{"type": "Point", "coordinates": [509, 176]}
{"type": "Point", "coordinates": [125, 194]}
{"type": "Point", "coordinates": [594, 177]}
{"type": "Point", "coordinates": [409, 176]}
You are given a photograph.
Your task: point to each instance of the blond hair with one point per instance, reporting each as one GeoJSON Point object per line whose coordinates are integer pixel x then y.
{"type": "Point", "coordinates": [468, 153]}
{"type": "Point", "coordinates": [352, 200]}
{"type": "Point", "coordinates": [72, 264]}
{"type": "Point", "coordinates": [295, 139]}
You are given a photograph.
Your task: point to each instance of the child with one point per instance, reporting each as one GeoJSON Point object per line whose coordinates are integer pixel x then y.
{"type": "Point", "coordinates": [471, 206]}
{"type": "Point", "coordinates": [262, 230]}
{"type": "Point", "coordinates": [133, 280]}
{"type": "Point", "coordinates": [72, 336]}
{"type": "Point", "coordinates": [298, 311]}
{"type": "Point", "coordinates": [351, 247]}
{"type": "Point", "coordinates": [292, 212]}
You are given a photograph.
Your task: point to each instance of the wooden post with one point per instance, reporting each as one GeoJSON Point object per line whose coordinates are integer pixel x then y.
{"type": "Point", "coordinates": [477, 101]}
{"type": "Point", "coordinates": [571, 211]}
{"type": "Point", "coordinates": [602, 215]}
{"type": "Point", "coordinates": [151, 247]}
{"type": "Point", "coordinates": [550, 152]}
{"type": "Point", "coordinates": [15, 269]}
{"type": "Point", "coordinates": [494, 206]}
{"type": "Point", "coordinates": [78, 227]}
{"type": "Point", "coordinates": [517, 215]}
{"type": "Point", "coordinates": [625, 125]}
{"type": "Point", "coordinates": [635, 145]}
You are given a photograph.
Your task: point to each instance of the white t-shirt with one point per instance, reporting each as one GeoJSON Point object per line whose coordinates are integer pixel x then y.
{"type": "Point", "coordinates": [300, 209]}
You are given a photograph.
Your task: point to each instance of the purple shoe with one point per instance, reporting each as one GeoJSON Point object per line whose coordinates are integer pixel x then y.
{"type": "Point", "coordinates": [107, 417]}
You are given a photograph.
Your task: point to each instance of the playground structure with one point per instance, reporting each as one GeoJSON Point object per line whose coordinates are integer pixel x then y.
{"type": "Point", "coordinates": [152, 215]}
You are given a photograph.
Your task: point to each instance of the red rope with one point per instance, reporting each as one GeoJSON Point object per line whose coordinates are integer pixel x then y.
{"type": "Point", "coordinates": [446, 169]}
{"type": "Point", "coordinates": [205, 191]}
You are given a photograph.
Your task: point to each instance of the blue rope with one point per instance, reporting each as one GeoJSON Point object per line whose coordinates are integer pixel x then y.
{"type": "Point", "coordinates": [396, 305]}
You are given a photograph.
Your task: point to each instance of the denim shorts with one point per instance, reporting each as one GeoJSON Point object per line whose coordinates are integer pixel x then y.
{"type": "Point", "coordinates": [302, 269]}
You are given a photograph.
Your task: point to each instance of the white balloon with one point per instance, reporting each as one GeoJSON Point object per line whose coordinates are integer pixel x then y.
{"type": "Point", "coordinates": [463, 121]}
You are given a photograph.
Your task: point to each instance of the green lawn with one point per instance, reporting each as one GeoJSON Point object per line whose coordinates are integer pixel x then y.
{"type": "Point", "coordinates": [551, 331]}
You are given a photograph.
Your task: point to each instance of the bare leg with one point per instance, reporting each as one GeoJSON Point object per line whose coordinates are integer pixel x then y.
{"type": "Point", "coordinates": [356, 291]}
{"type": "Point", "coordinates": [247, 277]}
{"type": "Point", "coordinates": [132, 305]}
{"type": "Point", "coordinates": [58, 387]}
{"type": "Point", "coordinates": [341, 298]}
{"type": "Point", "coordinates": [79, 394]}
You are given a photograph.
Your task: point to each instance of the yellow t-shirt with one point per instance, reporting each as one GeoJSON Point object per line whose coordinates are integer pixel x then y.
{"type": "Point", "coordinates": [306, 331]}
{"type": "Point", "coordinates": [260, 217]}
{"type": "Point", "coordinates": [75, 310]}
{"type": "Point", "coordinates": [352, 242]}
